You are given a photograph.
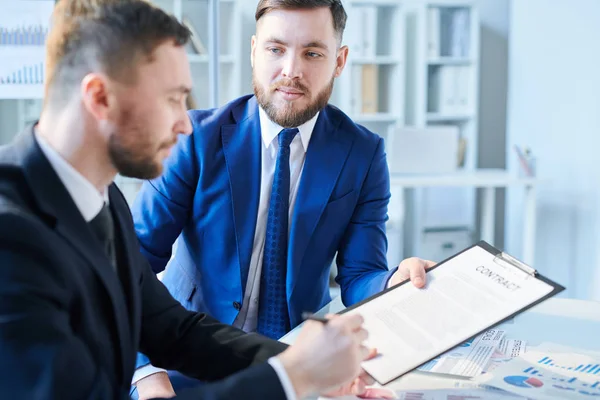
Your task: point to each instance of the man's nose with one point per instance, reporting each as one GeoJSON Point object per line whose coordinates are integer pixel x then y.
{"type": "Point", "coordinates": [185, 124]}
{"type": "Point", "coordinates": [292, 67]}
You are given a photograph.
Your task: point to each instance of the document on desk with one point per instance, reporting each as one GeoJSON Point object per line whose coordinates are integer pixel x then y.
{"type": "Point", "coordinates": [545, 373]}
{"type": "Point", "coordinates": [468, 359]}
{"type": "Point", "coordinates": [464, 296]}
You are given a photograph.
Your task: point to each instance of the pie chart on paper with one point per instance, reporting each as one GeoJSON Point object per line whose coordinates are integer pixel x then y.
{"type": "Point", "coordinates": [523, 381]}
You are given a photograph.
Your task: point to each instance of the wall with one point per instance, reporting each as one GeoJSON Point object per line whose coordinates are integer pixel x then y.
{"type": "Point", "coordinates": [554, 107]}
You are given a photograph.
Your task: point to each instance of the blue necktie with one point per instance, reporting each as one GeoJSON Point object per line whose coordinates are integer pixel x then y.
{"type": "Point", "coordinates": [273, 319]}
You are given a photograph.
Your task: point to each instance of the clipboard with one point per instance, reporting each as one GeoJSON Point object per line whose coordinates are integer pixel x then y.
{"type": "Point", "coordinates": [501, 259]}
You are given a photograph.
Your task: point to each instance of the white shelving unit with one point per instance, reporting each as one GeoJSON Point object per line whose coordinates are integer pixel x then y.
{"type": "Point", "coordinates": [371, 87]}
{"type": "Point", "coordinates": [442, 77]}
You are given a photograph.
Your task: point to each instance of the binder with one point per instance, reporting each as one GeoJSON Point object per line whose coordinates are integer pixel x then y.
{"type": "Point", "coordinates": [370, 87]}
{"type": "Point", "coordinates": [514, 267]}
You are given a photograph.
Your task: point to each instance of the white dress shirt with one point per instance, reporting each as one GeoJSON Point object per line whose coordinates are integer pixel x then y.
{"type": "Point", "coordinates": [248, 315]}
{"type": "Point", "coordinates": [87, 198]}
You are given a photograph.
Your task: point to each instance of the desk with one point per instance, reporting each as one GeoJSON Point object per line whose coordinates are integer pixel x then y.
{"type": "Point", "coordinates": [568, 322]}
{"type": "Point", "coordinates": [489, 180]}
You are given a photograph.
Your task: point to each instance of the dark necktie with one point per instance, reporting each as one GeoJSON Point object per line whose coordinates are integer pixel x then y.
{"type": "Point", "coordinates": [104, 228]}
{"type": "Point", "coordinates": [273, 319]}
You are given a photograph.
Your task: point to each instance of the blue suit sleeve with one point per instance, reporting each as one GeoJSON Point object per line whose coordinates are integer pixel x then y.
{"type": "Point", "coordinates": [361, 259]}
{"type": "Point", "coordinates": [163, 205]}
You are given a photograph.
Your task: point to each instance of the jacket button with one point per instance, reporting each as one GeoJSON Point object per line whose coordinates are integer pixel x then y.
{"type": "Point", "coordinates": [237, 305]}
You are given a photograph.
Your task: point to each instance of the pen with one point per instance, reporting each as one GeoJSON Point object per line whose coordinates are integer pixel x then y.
{"type": "Point", "coordinates": [311, 316]}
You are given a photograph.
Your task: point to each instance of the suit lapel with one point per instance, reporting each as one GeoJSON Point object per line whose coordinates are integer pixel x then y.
{"type": "Point", "coordinates": [128, 252]}
{"type": "Point", "coordinates": [54, 200]}
{"type": "Point", "coordinates": [242, 150]}
{"type": "Point", "coordinates": [325, 158]}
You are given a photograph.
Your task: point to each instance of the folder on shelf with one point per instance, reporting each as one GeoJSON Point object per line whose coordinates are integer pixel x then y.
{"type": "Point", "coordinates": [433, 32]}
{"type": "Point", "coordinates": [465, 295]}
{"type": "Point", "coordinates": [354, 37]}
{"type": "Point", "coordinates": [370, 89]}
{"type": "Point", "coordinates": [369, 30]}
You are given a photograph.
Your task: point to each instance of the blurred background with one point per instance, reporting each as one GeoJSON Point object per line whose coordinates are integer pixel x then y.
{"type": "Point", "coordinates": [490, 110]}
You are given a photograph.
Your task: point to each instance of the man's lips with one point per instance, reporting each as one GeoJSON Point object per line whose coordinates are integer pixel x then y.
{"type": "Point", "coordinates": [289, 90]}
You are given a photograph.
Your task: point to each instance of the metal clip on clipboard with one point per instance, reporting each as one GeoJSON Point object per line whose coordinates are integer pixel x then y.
{"type": "Point", "coordinates": [505, 260]}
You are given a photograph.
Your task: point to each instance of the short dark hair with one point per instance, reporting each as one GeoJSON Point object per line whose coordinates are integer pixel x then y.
{"type": "Point", "coordinates": [335, 6]}
{"type": "Point", "coordinates": [103, 35]}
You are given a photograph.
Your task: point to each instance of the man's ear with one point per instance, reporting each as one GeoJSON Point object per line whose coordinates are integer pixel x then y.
{"type": "Point", "coordinates": [342, 57]}
{"type": "Point", "coordinates": [252, 49]}
{"type": "Point", "coordinates": [95, 95]}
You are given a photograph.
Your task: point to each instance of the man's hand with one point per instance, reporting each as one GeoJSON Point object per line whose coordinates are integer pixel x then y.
{"type": "Point", "coordinates": [155, 386]}
{"type": "Point", "coordinates": [358, 387]}
{"type": "Point", "coordinates": [326, 356]}
{"type": "Point", "coordinates": [413, 268]}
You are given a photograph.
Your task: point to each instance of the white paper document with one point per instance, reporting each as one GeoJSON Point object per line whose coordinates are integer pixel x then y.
{"type": "Point", "coordinates": [446, 394]}
{"type": "Point", "coordinates": [457, 395]}
{"type": "Point", "coordinates": [463, 297]}
{"type": "Point", "coordinates": [508, 349]}
{"type": "Point", "coordinates": [470, 358]}
{"type": "Point", "coordinates": [543, 374]}
{"type": "Point", "coordinates": [512, 348]}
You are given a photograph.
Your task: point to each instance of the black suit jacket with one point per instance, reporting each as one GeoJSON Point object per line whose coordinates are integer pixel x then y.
{"type": "Point", "coordinates": [70, 326]}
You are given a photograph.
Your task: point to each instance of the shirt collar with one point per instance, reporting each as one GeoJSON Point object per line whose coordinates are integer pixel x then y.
{"type": "Point", "coordinates": [269, 129]}
{"type": "Point", "coordinates": [86, 197]}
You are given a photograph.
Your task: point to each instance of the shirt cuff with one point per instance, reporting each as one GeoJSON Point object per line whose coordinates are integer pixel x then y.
{"type": "Point", "coordinates": [389, 276]}
{"type": "Point", "coordinates": [288, 388]}
{"type": "Point", "coordinates": [145, 371]}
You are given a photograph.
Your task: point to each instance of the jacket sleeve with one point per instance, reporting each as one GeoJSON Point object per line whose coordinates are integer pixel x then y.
{"type": "Point", "coordinates": [361, 259]}
{"type": "Point", "coordinates": [164, 204]}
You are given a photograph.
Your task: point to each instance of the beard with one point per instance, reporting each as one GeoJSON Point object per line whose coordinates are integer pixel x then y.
{"type": "Point", "coordinates": [288, 116]}
{"type": "Point", "coordinates": [131, 151]}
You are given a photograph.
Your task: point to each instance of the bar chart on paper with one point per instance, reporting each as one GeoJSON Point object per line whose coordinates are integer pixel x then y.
{"type": "Point", "coordinates": [22, 77]}
{"type": "Point", "coordinates": [524, 378]}
{"type": "Point", "coordinates": [24, 22]}
{"type": "Point", "coordinates": [25, 74]}
{"type": "Point", "coordinates": [592, 369]}
{"type": "Point", "coordinates": [32, 35]}
{"type": "Point", "coordinates": [24, 27]}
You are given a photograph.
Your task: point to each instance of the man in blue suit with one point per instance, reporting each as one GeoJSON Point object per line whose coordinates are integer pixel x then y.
{"type": "Point", "coordinates": [267, 189]}
{"type": "Point", "coordinates": [78, 299]}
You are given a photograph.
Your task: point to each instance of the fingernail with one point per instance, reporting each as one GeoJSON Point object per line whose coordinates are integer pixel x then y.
{"type": "Point", "coordinates": [419, 281]}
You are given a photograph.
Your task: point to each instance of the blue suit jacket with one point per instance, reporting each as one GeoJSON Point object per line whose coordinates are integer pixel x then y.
{"type": "Point", "coordinates": [208, 196]}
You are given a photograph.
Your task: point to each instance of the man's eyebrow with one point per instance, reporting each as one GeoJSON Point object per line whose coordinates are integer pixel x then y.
{"type": "Point", "coordinates": [182, 89]}
{"type": "Point", "coordinates": [315, 43]}
{"type": "Point", "coordinates": [275, 40]}
{"type": "Point", "coordinates": [318, 44]}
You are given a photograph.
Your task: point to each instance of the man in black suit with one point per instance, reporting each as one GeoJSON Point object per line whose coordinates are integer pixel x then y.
{"type": "Point", "coordinates": [77, 299]}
